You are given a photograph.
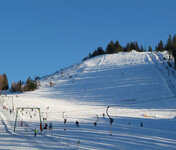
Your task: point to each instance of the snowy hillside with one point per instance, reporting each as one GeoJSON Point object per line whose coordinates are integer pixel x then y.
{"type": "Point", "coordinates": [137, 87]}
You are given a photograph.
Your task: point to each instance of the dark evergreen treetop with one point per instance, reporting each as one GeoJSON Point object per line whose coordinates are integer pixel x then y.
{"type": "Point", "coordinates": [160, 46]}
{"type": "Point", "coordinates": [169, 43]}
{"type": "Point", "coordinates": [4, 82]}
{"type": "Point", "coordinates": [150, 49]}
{"type": "Point", "coordinates": [110, 49]}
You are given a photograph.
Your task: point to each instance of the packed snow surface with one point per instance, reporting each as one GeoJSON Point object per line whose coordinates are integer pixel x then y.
{"type": "Point", "coordinates": [137, 87]}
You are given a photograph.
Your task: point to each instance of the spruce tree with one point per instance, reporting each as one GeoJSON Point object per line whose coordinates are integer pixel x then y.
{"type": "Point", "coordinates": [94, 53]}
{"type": "Point", "coordinates": [156, 48]}
{"type": "Point", "coordinates": [150, 49]}
{"type": "Point", "coordinates": [31, 85]}
{"type": "Point", "coordinates": [100, 51]}
{"type": "Point", "coordinates": [13, 87]}
{"type": "Point", "coordinates": [142, 49]}
{"type": "Point", "coordinates": [174, 49]}
{"type": "Point", "coordinates": [110, 49]}
{"type": "Point", "coordinates": [169, 43]}
{"type": "Point", "coordinates": [137, 47]}
{"type": "Point", "coordinates": [118, 47]}
{"type": "Point", "coordinates": [128, 47]}
{"type": "Point", "coordinates": [19, 86]}
{"type": "Point", "coordinates": [160, 46]}
{"type": "Point", "coordinates": [132, 46]}
{"type": "Point", "coordinates": [0, 82]}
{"type": "Point", "coordinates": [27, 87]}
{"type": "Point", "coordinates": [5, 85]}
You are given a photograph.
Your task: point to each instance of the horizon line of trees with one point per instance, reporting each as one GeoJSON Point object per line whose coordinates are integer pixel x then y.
{"type": "Point", "coordinates": [113, 48]}
{"type": "Point", "coordinates": [20, 86]}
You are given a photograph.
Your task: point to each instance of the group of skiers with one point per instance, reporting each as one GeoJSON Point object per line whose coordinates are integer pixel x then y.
{"type": "Point", "coordinates": [51, 127]}
{"type": "Point", "coordinates": [44, 128]}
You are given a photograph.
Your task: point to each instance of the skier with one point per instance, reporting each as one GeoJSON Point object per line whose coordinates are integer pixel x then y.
{"type": "Point", "coordinates": [21, 123]}
{"type": "Point", "coordinates": [26, 127]}
{"type": "Point", "coordinates": [141, 124]}
{"type": "Point", "coordinates": [46, 126]}
{"type": "Point", "coordinates": [77, 123]}
{"type": "Point", "coordinates": [35, 132]}
{"type": "Point", "coordinates": [50, 126]}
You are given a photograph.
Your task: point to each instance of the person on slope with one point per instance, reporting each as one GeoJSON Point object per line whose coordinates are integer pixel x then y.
{"type": "Point", "coordinates": [141, 124]}
{"type": "Point", "coordinates": [77, 123]}
{"type": "Point", "coordinates": [50, 126]}
{"type": "Point", "coordinates": [26, 127]}
{"type": "Point", "coordinates": [35, 132]}
{"type": "Point", "coordinates": [45, 128]}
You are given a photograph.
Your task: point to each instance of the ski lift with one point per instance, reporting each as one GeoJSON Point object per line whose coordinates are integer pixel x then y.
{"type": "Point", "coordinates": [65, 119]}
{"type": "Point", "coordinates": [31, 113]}
{"type": "Point", "coordinates": [26, 111]}
{"type": "Point", "coordinates": [110, 120]}
{"type": "Point", "coordinates": [22, 111]}
{"type": "Point", "coordinates": [35, 112]}
{"type": "Point", "coordinates": [95, 123]}
{"type": "Point", "coordinates": [44, 115]}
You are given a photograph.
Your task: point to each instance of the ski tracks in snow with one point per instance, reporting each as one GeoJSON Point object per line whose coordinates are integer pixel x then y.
{"type": "Point", "coordinates": [165, 74]}
{"type": "Point", "coordinates": [24, 140]}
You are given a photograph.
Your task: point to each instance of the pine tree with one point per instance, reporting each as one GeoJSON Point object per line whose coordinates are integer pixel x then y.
{"type": "Point", "coordinates": [27, 87]}
{"type": "Point", "coordinates": [118, 47]}
{"type": "Point", "coordinates": [5, 85]}
{"type": "Point", "coordinates": [13, 87]}
{"type": "Point", "coordinates": [169, 43]}
{"type": "Point", "coordinates": [132, 46]}
{"type": "Point", "coordinates": [100, 51]}
{"type": "Point", "coordinates": [0, 82]}
{"type": "Point", "coordinates": [142, 49]}
{"type": "Point", "coordinates": [174, 49]}
{"type": "Point", "coordinates": [160, 46]}
{"type": "Point", "coordinates": [30, 85]}
{"type": "Point", "coordinates": [110, 49]}
{"type": "Point", "coordinates": [89, 55]}
{"type": "Point", "coordinates": [128, 47]}
{"type": "Point", "coordinates": [19, 86]}
{"type": "Point", "coordinates": [150, 49]}
{"type": "Point", "coordinates": [156, 48]}
{"type": "Point", "coordinates": [94, 53]}
{"type": "Point", "coordinates": [137, 47]}
{"type": "Point", "coordinates": [174, 43]}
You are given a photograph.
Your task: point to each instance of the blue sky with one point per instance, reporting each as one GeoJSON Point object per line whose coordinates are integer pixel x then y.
{"type": "Point", "coordinates": [39, 37]}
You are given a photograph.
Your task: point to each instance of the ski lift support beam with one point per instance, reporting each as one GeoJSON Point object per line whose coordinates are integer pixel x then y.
{"type": "Point", "coordinates": [32, 108]}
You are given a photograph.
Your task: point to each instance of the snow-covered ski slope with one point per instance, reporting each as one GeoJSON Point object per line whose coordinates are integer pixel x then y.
{"type": "Point", "coordinates": [137, 87]}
